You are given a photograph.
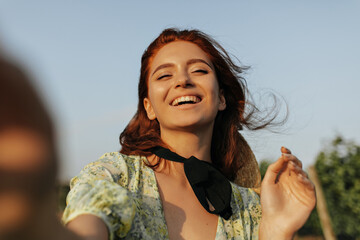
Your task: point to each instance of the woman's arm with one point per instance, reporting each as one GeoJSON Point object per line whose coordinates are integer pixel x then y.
{"type": "Point", "coordinates": [98, 206]}
{"type": "Point", "coordinates": [287, 198]}
{"type": "Point", "coordinates": [89, 227]}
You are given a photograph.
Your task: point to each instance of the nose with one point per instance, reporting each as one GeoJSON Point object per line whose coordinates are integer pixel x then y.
{"type": "Point", "coordinates": [184, 80]}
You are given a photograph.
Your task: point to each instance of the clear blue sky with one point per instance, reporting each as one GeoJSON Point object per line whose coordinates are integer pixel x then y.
{"type": "Point", "coordinates": [85, 57]}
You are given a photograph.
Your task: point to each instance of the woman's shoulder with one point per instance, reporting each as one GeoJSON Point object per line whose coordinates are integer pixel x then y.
{"type": "Point", "coordinates": [116, 158]}
{"type": "Point", "coordinates": [116, 161]}
{"type": "Point", "coordinates": [112, 166]}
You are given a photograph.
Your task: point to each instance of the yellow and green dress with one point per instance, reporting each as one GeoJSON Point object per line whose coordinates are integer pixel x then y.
{"type": "Point", "coordinates": [123, 192]}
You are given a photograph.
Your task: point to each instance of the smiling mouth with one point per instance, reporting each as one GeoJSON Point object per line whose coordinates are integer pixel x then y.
{"type": "Point", "coordinates": [185, 100]}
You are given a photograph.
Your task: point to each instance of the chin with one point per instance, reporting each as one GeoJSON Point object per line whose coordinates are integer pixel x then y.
{"type": "Point", "coordinates": [192, 126]}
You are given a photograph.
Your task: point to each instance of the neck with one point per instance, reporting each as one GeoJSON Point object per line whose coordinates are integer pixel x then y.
{"type": "Point", "coordinates": [187, 144]}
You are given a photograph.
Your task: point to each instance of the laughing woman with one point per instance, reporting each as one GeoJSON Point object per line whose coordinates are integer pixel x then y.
{"type": "Point", "coordinates": [184, 170]}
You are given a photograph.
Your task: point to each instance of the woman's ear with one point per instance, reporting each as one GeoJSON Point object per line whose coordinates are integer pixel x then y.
{"type": "Point", "coordinates": [149, 109]}
{"type": "Point", "coordinates": [222, 101]}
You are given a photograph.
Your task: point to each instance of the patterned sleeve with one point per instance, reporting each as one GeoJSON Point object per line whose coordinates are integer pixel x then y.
{"type": "Point", "coordinates": [254, 209]}
{"type": "Point", "coordinates": [247, 214]}
{"type": "Point", "coordinates": [96, 191]}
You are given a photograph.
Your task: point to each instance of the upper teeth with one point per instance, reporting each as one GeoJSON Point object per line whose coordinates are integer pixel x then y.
{"type": "Point", "coordinates": [185, 99]}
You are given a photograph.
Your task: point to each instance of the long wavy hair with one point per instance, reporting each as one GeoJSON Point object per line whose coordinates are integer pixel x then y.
{"type": "Point", "coordinates": [229, 150]}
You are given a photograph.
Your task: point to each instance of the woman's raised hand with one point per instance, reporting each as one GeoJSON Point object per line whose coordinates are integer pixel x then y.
{"type": "Point", "coordinates": [287, 198]}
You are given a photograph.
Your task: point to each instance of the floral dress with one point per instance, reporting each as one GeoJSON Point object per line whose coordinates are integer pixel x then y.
{"type": "Point", "coordinates": [123, 192]}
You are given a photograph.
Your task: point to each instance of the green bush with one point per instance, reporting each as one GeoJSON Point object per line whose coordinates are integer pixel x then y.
{"type": "Point", "coordinates": [338, 169]}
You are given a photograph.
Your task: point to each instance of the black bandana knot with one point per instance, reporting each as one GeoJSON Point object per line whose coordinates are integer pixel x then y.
{"type": "Point", "coordinates": [207, 182]}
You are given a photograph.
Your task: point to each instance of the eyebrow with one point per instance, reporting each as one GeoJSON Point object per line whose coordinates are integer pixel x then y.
{"type": "Point", "coordinates": [196, 60]}
{"type": "Point", "coordinates": [189, 62]}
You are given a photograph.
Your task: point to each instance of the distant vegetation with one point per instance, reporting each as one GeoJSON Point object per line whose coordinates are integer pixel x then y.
{"type": "Point", "coordinates": [338, 168]}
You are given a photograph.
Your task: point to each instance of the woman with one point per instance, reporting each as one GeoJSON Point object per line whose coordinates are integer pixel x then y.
{"type": "Point", "coordinates": [192, 103]}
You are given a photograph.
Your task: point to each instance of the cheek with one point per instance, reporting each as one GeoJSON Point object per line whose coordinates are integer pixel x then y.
{"type": "Point", "coordinates": [157, 94]}
{"type": "Point", "coordinates": [213, 88]}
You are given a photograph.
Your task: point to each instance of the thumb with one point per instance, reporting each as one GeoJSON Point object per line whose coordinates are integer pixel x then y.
{"type": "Point", "coordinates": [274, 169]}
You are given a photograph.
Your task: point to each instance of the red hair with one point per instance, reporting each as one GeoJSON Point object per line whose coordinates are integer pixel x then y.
{"type": "Point", "coordinates": [229, 150]}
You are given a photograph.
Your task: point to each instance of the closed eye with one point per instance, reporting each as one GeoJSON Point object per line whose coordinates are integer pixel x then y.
{"type": "Point", "coordinates": [163, 76]}
{"type": "Point", "coordinates": [201, 71]}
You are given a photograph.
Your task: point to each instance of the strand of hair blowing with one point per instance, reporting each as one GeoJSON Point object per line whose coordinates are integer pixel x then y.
{"type": "Point", "coordinates": [229, 150]}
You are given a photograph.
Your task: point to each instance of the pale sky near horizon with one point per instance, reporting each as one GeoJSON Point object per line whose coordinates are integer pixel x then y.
{"type": "Point", "coordinates": [85, 59]}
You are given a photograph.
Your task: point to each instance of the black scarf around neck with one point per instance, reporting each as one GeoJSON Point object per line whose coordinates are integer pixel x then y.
{"type": "Point", "coordinates": [206, 181]}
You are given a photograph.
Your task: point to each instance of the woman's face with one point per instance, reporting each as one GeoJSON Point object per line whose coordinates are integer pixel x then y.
{"type": "Point", "coordinates": [183, 91]}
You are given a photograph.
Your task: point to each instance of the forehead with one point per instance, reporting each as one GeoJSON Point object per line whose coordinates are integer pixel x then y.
{"type": "Point", "coordinates": [177, 52]}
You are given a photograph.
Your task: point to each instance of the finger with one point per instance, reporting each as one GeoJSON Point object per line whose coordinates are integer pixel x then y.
{"type": "Point", "coordinates": [274, 169]}
{"type": "Point", "coordinates": [309, 193]}
{"type": "Point", "coordinates": [285, 150]}
{"type": "Point", "coordinates": [301, 175]}
{"type": "Point", "coordinates": [292, 158]}
{"type": "Point", "coordinates": [297, 170]}
{"type": "Point", "coordinates": [307, 182]}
